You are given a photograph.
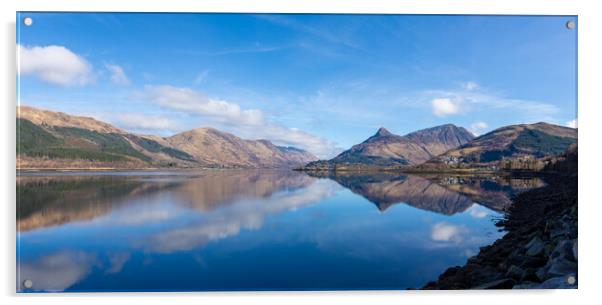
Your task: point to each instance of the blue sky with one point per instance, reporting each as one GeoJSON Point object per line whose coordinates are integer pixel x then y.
{"type": "Point", "coordinates": [319, 82]}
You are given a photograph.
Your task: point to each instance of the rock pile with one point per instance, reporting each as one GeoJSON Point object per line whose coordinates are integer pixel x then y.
{"type": "Point", "coordinates": [538, 252]}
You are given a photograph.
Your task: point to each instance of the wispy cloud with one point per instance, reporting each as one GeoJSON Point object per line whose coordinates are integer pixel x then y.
{"type": "Point", "coordinates": [229, 116]}
{"type": "Point", "coordinates": [478, 127]}
{"type": "Point", "coordinates": [54, 64]}
{"type": "Point", "coordinates": [233, 50]}
{"type": "Point", "coordinates": [201, 77]}
{"type": "Point", "coordinates": [117, 74]}
{"type": "Point", "coordinates": [256, 48]}
{"type": "Point", "coordinates": [470, 85]}
{"type": "Point", "coordinates": [303, 27]}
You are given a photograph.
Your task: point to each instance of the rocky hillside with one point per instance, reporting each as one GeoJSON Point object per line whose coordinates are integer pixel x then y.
{"type": "Point", "coordinates": [524, 142]}
{"type": "Point", "coordinates": [47, 139]}
{"type": "Point", "coordinates": [60, 119]}
{"type": "Point", "coordinates": [385, 149]}
{"type": "Point", "coordinates": [210, 146]}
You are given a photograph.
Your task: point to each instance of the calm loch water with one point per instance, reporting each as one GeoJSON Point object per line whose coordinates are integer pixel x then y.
{"type": "Point", "coordinates": [250, 230]}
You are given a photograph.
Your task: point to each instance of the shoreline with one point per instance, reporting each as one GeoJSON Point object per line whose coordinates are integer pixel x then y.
{"type": "Point", "coordinates": [343, 172]}
{"type": "Point", "coordinates": [539, 250]}
{"type": "Point", "coordinates": [141, 169]}
{"type": "Point", "coordinates": [410, 171]}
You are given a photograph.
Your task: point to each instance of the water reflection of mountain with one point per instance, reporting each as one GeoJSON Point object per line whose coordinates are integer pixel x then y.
{"type": "Point", "coordinates": [50, 201]}
{"type": "Point", "coordinates": [494, 192]}
{"type": "Point", "coordinates": [230, 219]}
{"type": "Point", "coordinates": [213, 189]}
{"type": "Point", "coordinates": [44, 201]}
{"type": "Point", "coordinates": [442, 194]}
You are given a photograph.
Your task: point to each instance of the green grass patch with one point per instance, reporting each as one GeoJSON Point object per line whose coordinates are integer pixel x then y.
{"type": "Point", "coordinates": [109, 143]}
{"type": "Point", "coordinates": [35, 141]}
{"type": "Point", "coordinates": [541, 143]}
{"type": "Point", "coordinates": [31, 136]}
{"type": "Point", "coordinates": [154, 146]}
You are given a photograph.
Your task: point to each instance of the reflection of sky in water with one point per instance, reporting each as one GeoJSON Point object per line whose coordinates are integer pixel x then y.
{"type": "Point", "coordinates": [292, 232]}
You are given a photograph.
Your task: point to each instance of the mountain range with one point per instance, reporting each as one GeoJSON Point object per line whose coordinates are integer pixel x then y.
{"type": "Point", "coordinates": [385, 149]}
{"type": "Point", "coordinates": [47, 139]}
{"type": "Point", "coordinates": [449, 147]}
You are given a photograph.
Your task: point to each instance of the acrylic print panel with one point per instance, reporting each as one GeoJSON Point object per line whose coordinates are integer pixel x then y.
{"type": "Point", "coordinates": [229, 152]}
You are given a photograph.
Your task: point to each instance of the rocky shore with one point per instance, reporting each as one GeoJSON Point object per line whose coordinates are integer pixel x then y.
{"type": "Point", "coordinates": [539, 250]}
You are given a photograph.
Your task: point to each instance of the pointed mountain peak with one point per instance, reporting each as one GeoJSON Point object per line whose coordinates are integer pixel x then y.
{"type": "Point", "coordinates": [383, 132]}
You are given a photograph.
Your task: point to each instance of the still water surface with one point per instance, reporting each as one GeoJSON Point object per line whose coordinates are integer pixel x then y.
{"type": "Point", "coordinates": [250, 230]}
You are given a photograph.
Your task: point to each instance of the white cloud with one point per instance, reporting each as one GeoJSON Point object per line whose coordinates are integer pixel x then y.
{"type": "Point", "coordinates": [467, 101]}
{"type": "Point", "coordinates": [470, 86]}
{"type": "Point", "coordinates": [444, 107]}
{"type": "Point", "coordinates": [185, 99]}
{"type": "Point", "coordinates": [54, 64]}
{"type": "Point", "coordinates": [246, 123]}
{"type": "Point", "coordinates": [443, 231]}
{"type": "Point", "coordinates": [117, 74]}
{"type": "Point", "coordinates": [478, 127]}
{"type": "Point", "coordinates": [572, 123]}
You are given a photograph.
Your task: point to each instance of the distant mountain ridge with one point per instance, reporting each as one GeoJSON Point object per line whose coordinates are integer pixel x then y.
{"type": "Point", "coordinates": [210, 146]}
{"type": "Point", "coordinates": [48, 139]}
{"type": "Point", "coordinates": [385, 149]}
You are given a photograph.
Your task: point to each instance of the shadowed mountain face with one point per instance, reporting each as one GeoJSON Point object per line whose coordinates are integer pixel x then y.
{"type": "Point", "coordinates": [47, 139]}
{"type": "Point", "coordinates": [387, 149]}
{"type": "Point", "coordinates": [524, 140]}
{"type": "Point", "coordinates": [441, 194]}
{"type": "Point", "coordinates": [46, 201]}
